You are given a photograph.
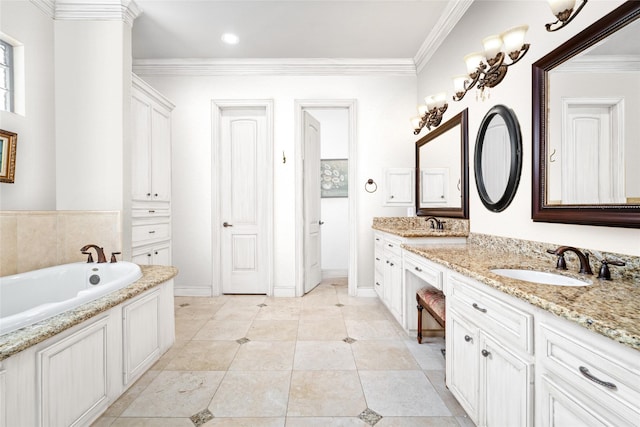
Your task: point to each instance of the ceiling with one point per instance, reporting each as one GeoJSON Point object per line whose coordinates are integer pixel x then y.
{"type": "Point", "coordinates": [180, 29]}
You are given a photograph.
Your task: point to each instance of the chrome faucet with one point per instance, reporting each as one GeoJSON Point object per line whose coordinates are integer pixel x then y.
{"type": "Point", "coordinates": [439, 225]}
{"type": "Point", "coordinates": [99, 252]}
{"type": "Point", "coordinates": [585, 267]}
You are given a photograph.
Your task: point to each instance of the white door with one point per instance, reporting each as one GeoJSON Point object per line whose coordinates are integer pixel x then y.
{"type": "Point", "coordinates": [312, 219]}
{"type": "Point", "coordinates": [592, 171]}
{"type": "Point", "coordinates": [243, 189]}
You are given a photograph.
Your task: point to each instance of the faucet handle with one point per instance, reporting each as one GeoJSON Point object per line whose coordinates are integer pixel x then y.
{"type": "Point", "coordinates": [90, 258]}
{"type": "Point", "coordinates": [441, 225]}
{"type": "Point", "coordinates": [113, 256]}
{"type": "Point", "coordinates": [561, 264]}
{"type": "Point", "coordinates": [604, 272]}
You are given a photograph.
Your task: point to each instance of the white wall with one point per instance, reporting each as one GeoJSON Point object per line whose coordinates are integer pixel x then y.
{"type": "Point", "coordinates": [35, 180]}
{"type": "Point", "coordinates": [384, 139]}
{"type": "Point", "coordinates": [334, 144]}
{"type": "Point", "coordinates": [489, 17]}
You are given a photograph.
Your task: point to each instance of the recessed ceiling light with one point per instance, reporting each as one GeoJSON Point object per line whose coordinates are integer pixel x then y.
{"type": "Point", "coordinates": [229, 38]}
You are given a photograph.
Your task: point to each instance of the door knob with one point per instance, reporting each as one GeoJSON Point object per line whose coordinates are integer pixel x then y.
{"type": "Point", "coordinates": [226, 224]}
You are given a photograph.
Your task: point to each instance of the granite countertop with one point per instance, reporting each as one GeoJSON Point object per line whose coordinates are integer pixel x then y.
{"type": "Point", "coordinates": [419, 232]}
{"type": "Point", "coordinates": [609, 308]}
{"type": "Point", "coordinates": [16, 341]}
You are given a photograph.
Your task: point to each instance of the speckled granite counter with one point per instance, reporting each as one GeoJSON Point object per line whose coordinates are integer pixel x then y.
{"type": "Point", "coordinates": [24, 338]}
{"type": "Point", "coordinates": [610, 308]}
{"type": "Point", "coordinates": [418, 227]}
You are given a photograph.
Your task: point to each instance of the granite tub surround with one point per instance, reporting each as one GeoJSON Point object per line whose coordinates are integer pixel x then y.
{"type": "Point", "coordinates": [609, 308]}
{"type": "Point", "coordinates": [419, 227]}
{"type": "Point", "coordinates": [17, 341]}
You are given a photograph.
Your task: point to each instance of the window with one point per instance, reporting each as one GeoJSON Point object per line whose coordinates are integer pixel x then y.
{"type": "Point", "coordinates": [6, 76]}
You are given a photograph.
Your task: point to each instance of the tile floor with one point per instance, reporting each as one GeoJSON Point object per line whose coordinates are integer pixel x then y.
{"type": "Point", "coordinates": [326, 359]}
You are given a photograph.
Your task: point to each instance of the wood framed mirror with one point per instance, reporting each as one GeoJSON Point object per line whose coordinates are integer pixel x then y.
{"type": "Point", "coordinates": [498, 158]}
{"type": "Point", "coordinates": [586, 100]}
{"type": "Point", "coordinates": [442, 169]}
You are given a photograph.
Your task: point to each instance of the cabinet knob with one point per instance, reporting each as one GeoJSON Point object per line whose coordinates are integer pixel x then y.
{"type": "Point", "coordinates": [480, 309]}
{"type": "Point", "coordinates": [226, 224]}
{"type": "Point", "coordinates": [152, 231]}
{"type": "Point", "coordinates": [467, 338]}
{"type": "Point", "coordinates": [390, 245]}
{"type": "Point", "coordinates": [152, 211]}
{"type": "Point", "coordinates": [391, 264]}
{"type": "Point", "coordinates": [391, 197]}
{"type": "Point", "coordinates": [156, 252]}
{"type": "Point", "coordinates": [377, 259]}
{"type": "Point", "coordinates": [485, 353]}
{"type": "Point", "coordinates": [149, 255]}
{"type": "Point", "coordinates": [148, 194]}
{"type": "Point", "coordinates": [377, 284]}
{"type": "Point", "coordinates": [418, 269]}
{"type": "Point", "coordinates": [155, 195]}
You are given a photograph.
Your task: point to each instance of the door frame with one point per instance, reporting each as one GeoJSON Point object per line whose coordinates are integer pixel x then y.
{"type": "Point", "coordinates": [217, 106]}
{"type": "Point", "coordinates": [299, 106]}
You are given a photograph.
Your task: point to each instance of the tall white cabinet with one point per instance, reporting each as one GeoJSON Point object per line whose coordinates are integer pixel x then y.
{"type": "Point", "coordinates": [150, 175]}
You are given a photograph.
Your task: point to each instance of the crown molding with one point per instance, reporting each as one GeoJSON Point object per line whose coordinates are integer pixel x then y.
{"type": "Point", "coordinates": [90, 10]}
{"type": "Point", "coordinates": [601, 64]}
{"type": "Point", "coordinates": [454, 10]}
{"type": "Point", "coordinates": [47, 6]}
{"type": "Point", "coordinates": [279, 67]}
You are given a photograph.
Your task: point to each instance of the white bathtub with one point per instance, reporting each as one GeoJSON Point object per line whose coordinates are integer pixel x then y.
{"type": "Point", "coordinates": [27, 298]}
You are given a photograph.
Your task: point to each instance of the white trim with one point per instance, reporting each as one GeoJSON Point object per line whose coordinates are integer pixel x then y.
{"type": "Point", "coordinates": [278, 67]}
{"type": "Point", "coordinates": [216, 106]}
{"type": "Point", "coordinates": [330, 274]}
{"type": "Point", "coordinates": [104, 10]}
{"type": "Point", "coordinates": [367, 293]}
{"type": "Point", "coordinates": [300, 106]}
{"type": "Point", "coordinates": [188, 291]}
{"type": "Point", "coordinates": [47, 6]}
{"type": "Point", "coordinates": [148, 90]}
{"type": "Point", "coordinates": [602, 64]}
{"type": "Point", "coordinates": [454, 10]}
{"type": "Point", "coordinates": [280, 291]}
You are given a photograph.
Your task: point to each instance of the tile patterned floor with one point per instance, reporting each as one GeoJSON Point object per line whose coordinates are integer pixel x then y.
{"type": "Point", "coordinates": [326, 359]}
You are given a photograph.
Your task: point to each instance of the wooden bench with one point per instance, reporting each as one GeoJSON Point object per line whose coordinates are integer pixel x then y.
{"type": "Point", "coordinates": [432, 300]}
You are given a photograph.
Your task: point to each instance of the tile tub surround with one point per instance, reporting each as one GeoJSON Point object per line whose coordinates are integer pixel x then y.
{"type": "Point", "coordinates": [609, 308]}
{"type": "Point", "coordinates": [418, 227]}
{"type": "Point", "coordinates": [17, 341]}
{"type": "Point", "coordinates": [37, 239]}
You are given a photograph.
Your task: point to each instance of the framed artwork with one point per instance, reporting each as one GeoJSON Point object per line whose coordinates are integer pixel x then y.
{"type": "Point", "coordinates": [7, 155]}
{"type": "Point", "coordinates": [334, 178]}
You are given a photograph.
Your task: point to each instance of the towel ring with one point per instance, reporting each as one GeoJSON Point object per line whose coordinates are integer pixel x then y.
{"type": "Point", "coordinates": [368, 183]}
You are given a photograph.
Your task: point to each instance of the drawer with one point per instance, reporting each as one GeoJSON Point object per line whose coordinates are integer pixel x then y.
{"type": "Point", "coordinates": [423, 270]}
{"type": "Point", "coordinates": [610, 378]}
{"type": "Point", "coordinates": [392, 246]}
{"type": "Point", "coordinates": [150, 232]}
{"type": "Point", "coordinates": [150, 213]}
{"type": "Point", "coordinates": [496, 316]}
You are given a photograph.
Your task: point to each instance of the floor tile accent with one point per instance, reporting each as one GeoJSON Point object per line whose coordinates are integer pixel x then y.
{"type": "Point", "coordinates": [243, 340]}
{"type": "Point", "coordinates": [349, 340]}
{"type": "Point", "coordinates": [262, 305]}
{"type": "Point", "coordinates": [370, 417]}
{"type": "Point", "coordinates": [201, 417]}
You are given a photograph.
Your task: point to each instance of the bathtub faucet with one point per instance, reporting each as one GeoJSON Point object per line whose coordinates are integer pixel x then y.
{"type": "Point", "coordinates": [99, 251]}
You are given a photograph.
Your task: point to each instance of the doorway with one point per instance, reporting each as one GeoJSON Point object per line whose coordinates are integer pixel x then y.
{"type": "Point", "coordinates": [332, 251]}
{"type": "Point", "coordinates": [242, 208]}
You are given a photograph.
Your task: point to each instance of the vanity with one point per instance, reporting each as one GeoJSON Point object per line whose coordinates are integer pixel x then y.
{"type": "Point", "coordinates": [521, 353]}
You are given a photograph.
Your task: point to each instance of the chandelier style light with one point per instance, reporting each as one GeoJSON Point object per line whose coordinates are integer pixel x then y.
{"type": "Point", "coordinates": [490, 73]}
{"type": "Point", "coordinates": [430, 114]}
{"type": "Point", "coordinates": [563, 10]}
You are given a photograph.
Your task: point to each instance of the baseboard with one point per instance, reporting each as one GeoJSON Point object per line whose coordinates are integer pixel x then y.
{"type": "Point", "coordinates": [191, 292]}
{"type": "Point", "coordinates": [330, 274]}
{"type": "Point", "coordinates": [284, 292]}
{"type": "Point", "coordinates": [366, 292]}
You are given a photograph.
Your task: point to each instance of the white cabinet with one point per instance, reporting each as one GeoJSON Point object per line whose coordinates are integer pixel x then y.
{"type": "Point", "coordinates": [489, 354]}
{"type": "Point", "coordinates": [141, 335]}
{"type": "Point", "coordinates": [151, 175]}
{"type": "Point", "coordinates": [391, 285]}
{"type": "Point", "coordinates": [379, 264]}
{"type": "Point", "coordinates": [151, 143]}
{"type": "Point", "coordinates": [583, 378]}
{"type": "Point", "coordinates": [399, 187]}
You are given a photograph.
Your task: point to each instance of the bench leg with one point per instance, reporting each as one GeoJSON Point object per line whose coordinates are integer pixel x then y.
{"type": "Point", "coordinates": [419, 323]}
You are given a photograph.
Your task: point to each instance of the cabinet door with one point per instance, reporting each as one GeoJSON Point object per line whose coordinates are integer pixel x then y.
{"type": "Point", "coordinates": [141, 148]}
{"type": "Point", "coordinates": [506, 383]}
{"type": "Point", "coordinates": [142, 258]}
{"type": "Point", "coordinates": [160, 155]}
{"type": "Point", "coordinates": [561, 406]}
{"type": "Point", "coordinates": [395, 293]}
{"type": "Point", "coordinates": [162, 255]}
{"type": "Point", "coordinates": [140, 335]}
{"type": "Point", "coordinates": [462, 363]}
{"type": "Point", "coordinates": [399, 187]}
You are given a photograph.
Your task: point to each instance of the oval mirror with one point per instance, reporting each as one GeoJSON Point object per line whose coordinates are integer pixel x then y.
{"type": "Point", "coordinates": [498, 158]}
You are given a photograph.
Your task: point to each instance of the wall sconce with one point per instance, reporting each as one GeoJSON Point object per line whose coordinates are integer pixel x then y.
{"type": "Point", "coordinates": [430, 115]}
{"type": "Point", "coordinates": [563, 10]}
{"type": "Point", "coordinates": [488, 75]}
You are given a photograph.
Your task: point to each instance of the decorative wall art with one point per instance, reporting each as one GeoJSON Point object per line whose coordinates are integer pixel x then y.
{"type": "Point", "coordinates": [7, 155]}
{"type": "Point", "coordinates": [334, 178]}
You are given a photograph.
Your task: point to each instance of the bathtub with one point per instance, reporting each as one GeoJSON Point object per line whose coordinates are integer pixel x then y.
{"type": "Point", "coordinates": [27, 298]}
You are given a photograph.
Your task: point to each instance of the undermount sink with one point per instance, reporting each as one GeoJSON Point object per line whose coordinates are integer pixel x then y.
{"type": "Point", "coordinates": [541, 277]}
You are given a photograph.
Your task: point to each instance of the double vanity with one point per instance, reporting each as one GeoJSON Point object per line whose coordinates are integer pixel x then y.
{"type": "Point", "coordinates": [518, 352]}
